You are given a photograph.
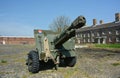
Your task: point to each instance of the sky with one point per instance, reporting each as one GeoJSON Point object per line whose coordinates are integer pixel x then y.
{"type": "Point", "coordinates": [21, 17]}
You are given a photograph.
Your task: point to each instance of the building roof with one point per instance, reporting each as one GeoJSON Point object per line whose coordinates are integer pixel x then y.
{"type": "Point", "coordinates": [106, 25]}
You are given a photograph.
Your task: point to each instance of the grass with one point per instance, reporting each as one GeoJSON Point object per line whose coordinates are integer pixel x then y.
{"type": "Point", "coordinates": [3, 61]}
{"type": "Point", "coordinates": [24, 76]}
{"type": "Point", "coordinates": [108, 45]}
{"type": "Point", "coordinates": [116, 64]}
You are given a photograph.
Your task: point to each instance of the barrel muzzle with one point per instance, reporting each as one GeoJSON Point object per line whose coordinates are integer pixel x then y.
{"type": "Point", "coordinates": [79, 22]}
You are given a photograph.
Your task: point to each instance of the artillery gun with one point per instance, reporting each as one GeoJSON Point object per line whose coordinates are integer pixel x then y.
{"type": "Point", "coordinates": [53, 47]}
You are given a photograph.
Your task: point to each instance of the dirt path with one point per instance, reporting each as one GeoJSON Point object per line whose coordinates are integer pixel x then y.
{"type": "Point", "coordinates": [91, 63]}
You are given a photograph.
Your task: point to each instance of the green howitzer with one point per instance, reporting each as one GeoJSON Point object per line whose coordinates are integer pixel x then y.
{"type": "Point", "coordinates": [54, 49]}
{"type": "Point", "coordinates": [70, 31]}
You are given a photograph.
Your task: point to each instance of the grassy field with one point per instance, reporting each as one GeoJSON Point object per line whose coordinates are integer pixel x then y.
{"type": "Point", "coordinates": [91, 63]}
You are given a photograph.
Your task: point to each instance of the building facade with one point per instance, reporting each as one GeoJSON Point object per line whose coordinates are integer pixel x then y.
{"type": "Point", "coordinates": [101, 34]}
{"type": "Point", "coordinates": [16, 40]}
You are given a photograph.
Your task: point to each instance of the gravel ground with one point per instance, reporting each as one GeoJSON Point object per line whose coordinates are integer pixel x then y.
{"type": "Point", "coordinates": [91, 63]}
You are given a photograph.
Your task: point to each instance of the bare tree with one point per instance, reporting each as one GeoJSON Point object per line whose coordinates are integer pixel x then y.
{"type": "Point", "coordinates": [60, 23]}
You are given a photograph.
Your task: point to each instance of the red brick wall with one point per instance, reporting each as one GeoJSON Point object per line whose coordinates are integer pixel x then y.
{"type": "Point", "coordinates": [16, 40]}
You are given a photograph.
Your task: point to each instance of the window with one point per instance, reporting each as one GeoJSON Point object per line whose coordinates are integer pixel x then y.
{"type": "Point", "coordinates": [93, 34]}
{"type": "Point", "coordinates": [110, 32]}
{"type": "Point", "coordinates": [117, 40]}
{"type": "Point", "coordinates": [88, 40]}
{"type": "Point", "coordinates": [93, 40]}
{"type": "Point", "coordinates": [76, 35]}
{"type": "Point", "coordinates": [84, 35]}
{"type": "Point", "coordinates": [98, 34]}
{"type": "Point", "coordinates": [103, 33]}
{"type": "Point", "coordinates": [81, 35]}
{"type": "Point", "coordinates": [79, 41]}
{"type": "Point", "coordinates": [117, 33]}
{"type": "Point", "coordinates": [110, 40]}
{"type": "Point", "coordinates": [88, 35]}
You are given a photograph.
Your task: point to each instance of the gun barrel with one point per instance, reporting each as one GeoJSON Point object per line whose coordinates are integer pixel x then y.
{"type": "Point", "coordinates": [70, 31]}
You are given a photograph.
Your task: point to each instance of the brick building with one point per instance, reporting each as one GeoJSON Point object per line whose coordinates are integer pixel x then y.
{"type": "Point", "coordinates": [104, 33]}
{"type": "Point", "coordinates": [16, 40]}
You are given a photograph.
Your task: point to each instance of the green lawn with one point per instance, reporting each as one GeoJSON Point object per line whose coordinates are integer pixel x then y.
{"type": "Point", "coordinates": [108, 45]}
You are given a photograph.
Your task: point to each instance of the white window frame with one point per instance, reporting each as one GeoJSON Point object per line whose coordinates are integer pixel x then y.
{"type": "Point", "coordinates": [93, 40]}
{"type": "Point", "coordinates": [88, 34]}
{"type": "Point", "coordinates": [117, 39]}
{"type": "Point", "coordinates": [117, 33]}
{"type": "Point", "coordinates": [103, 33]}
{"type": "Point", "coordinates": [98, 34]}
{"type": "Point", "coordinates": [110, 32]}
{"type": "Point", "coordinates": [93, 34]}
{"type": "Point", "coordinates": [84, 35]}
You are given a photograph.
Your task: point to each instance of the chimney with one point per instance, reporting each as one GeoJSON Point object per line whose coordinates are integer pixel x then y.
{"type": "Point", "coordinates": [101, 22]}
{"type": "Point", "coordinates": [117, 17]}
{"type": "Point", "coordinates": [94, 21]}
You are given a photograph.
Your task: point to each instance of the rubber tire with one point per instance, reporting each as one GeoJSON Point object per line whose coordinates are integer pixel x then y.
{"type": "Point", "coordinates": [70, 61]}
{"type": "Point", "coordinates": [33, 62]}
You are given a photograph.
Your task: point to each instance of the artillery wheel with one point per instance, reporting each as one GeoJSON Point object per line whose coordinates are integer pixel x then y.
{"type": "Point", "coordinates": [70, 61]}
{"type": "Point", "coordinates": [33, 62]}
